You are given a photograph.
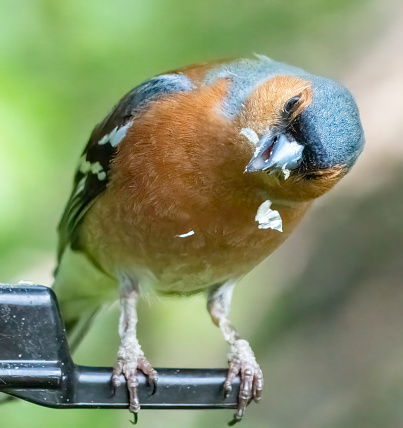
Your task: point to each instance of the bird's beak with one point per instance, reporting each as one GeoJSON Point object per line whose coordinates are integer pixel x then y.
{"type": "Point", "coordinates": [276, 152]}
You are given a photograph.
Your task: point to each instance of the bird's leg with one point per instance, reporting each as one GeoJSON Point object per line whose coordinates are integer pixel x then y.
{"type": "Point", "coordinates": [241, 358]}
{"type": "Point", "coordinates": [130, 355]}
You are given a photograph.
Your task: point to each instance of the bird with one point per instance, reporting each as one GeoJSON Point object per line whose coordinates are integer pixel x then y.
{"type": "Point", "coordinates": [194, 178]}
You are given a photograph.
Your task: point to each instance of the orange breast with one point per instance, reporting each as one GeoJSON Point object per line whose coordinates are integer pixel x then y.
{"type": "Point", "coordinates": [179, 212]}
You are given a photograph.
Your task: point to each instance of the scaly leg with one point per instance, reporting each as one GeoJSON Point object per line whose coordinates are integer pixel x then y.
{"type": "Point", "coordinates": [241, 358]}
{"type": "Point", "coordinates": [130, 355]}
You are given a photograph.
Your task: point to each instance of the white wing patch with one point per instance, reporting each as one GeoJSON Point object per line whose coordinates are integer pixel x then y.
{"type": "Point", "coordinates": [96, 168]}
{"type": "Point", "coordinates": [116, 135]}
{"type": "Point", "coordinates": [268, 218]}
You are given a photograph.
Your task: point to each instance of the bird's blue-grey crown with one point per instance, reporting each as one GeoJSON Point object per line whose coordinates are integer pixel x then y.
{"type": "Point", "coordinates": [329, 129]}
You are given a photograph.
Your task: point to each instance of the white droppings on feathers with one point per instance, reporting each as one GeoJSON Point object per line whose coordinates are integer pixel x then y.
{"type": "Point", "coordinates": [286, 171]}
{"type": "Point", "coordinates": [251, 135]}
{"type": "Point", "coordinates": [268, 218]}
{"type": "Point", "coordinates": [185, 235]}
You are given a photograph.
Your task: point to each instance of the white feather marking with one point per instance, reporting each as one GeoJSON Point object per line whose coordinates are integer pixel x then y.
{"type": "Point", "coordinates": [95, 168]}
{"type": "Point", "coordinates": [101, 176]}
{"type": "Point", "coordinates": [80, 186]}
{"type": "Point", "coordinates": [104, 139]}
{"type": "Point", "coordinates": [268, 218]}
{"type": "Point", "coordinates": [116, 135]}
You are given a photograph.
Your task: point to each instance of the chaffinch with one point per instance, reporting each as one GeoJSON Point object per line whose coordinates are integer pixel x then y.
{"type": "Point", "coordinates": [193, 179]}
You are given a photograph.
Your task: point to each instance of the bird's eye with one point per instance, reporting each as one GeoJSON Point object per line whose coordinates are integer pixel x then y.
{"type": "Point", "coordinates": [291, 104]}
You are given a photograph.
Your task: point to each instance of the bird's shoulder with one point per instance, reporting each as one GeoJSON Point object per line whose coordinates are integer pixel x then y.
{"type": "Point", "coordinates": [92, 174]}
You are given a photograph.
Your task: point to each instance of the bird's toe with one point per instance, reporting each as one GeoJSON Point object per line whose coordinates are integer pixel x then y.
{"type": "Point", "coordinates": [242, 362]}
{"type": "Point", "coordinates": [129, 367]}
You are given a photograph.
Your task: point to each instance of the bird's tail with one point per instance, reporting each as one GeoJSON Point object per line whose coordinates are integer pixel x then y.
{"type": "Point", "coordinates": [5, 398]}
{"type": "Point", "coordinates": [77, 328]}
{"type": "Point", "coordinates": [81, 290]}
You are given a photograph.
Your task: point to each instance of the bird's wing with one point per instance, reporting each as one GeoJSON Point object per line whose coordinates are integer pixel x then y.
{"type": "Point", "coordinates": [91, 176]}
{"type": "Point", "coordinates": [81, 285]}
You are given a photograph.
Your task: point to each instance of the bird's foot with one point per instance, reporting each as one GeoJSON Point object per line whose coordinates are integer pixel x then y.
{"type": "Point", "coordinates": [242, 361]}
{"type": "Point", "coordinates": [131, 359]}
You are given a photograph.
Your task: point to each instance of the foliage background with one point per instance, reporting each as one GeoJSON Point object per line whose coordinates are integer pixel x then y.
{"type": "Point", "coordinates": [324, 313]}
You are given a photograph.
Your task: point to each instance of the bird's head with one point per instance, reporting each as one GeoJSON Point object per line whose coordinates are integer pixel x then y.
{"type": "Point", "coordinates": [304, 131]}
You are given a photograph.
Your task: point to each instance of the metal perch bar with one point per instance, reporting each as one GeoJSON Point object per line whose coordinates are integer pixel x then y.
{"type": "Point", "coordinates": [36, 365]}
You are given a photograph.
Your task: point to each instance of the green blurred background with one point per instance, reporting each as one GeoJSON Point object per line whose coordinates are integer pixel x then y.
{"type": "Point", "coordinates": [324, 313]}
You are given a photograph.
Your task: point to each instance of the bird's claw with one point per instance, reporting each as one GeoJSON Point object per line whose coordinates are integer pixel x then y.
{"type": "Point", "coordinates": [128, 367]}
{"type": "Point", "coordinates": [242, 362]}
{"type": "Point", "coordinates": [235, 420]}
{"type": "Point", "coordinates": [135, 419]}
